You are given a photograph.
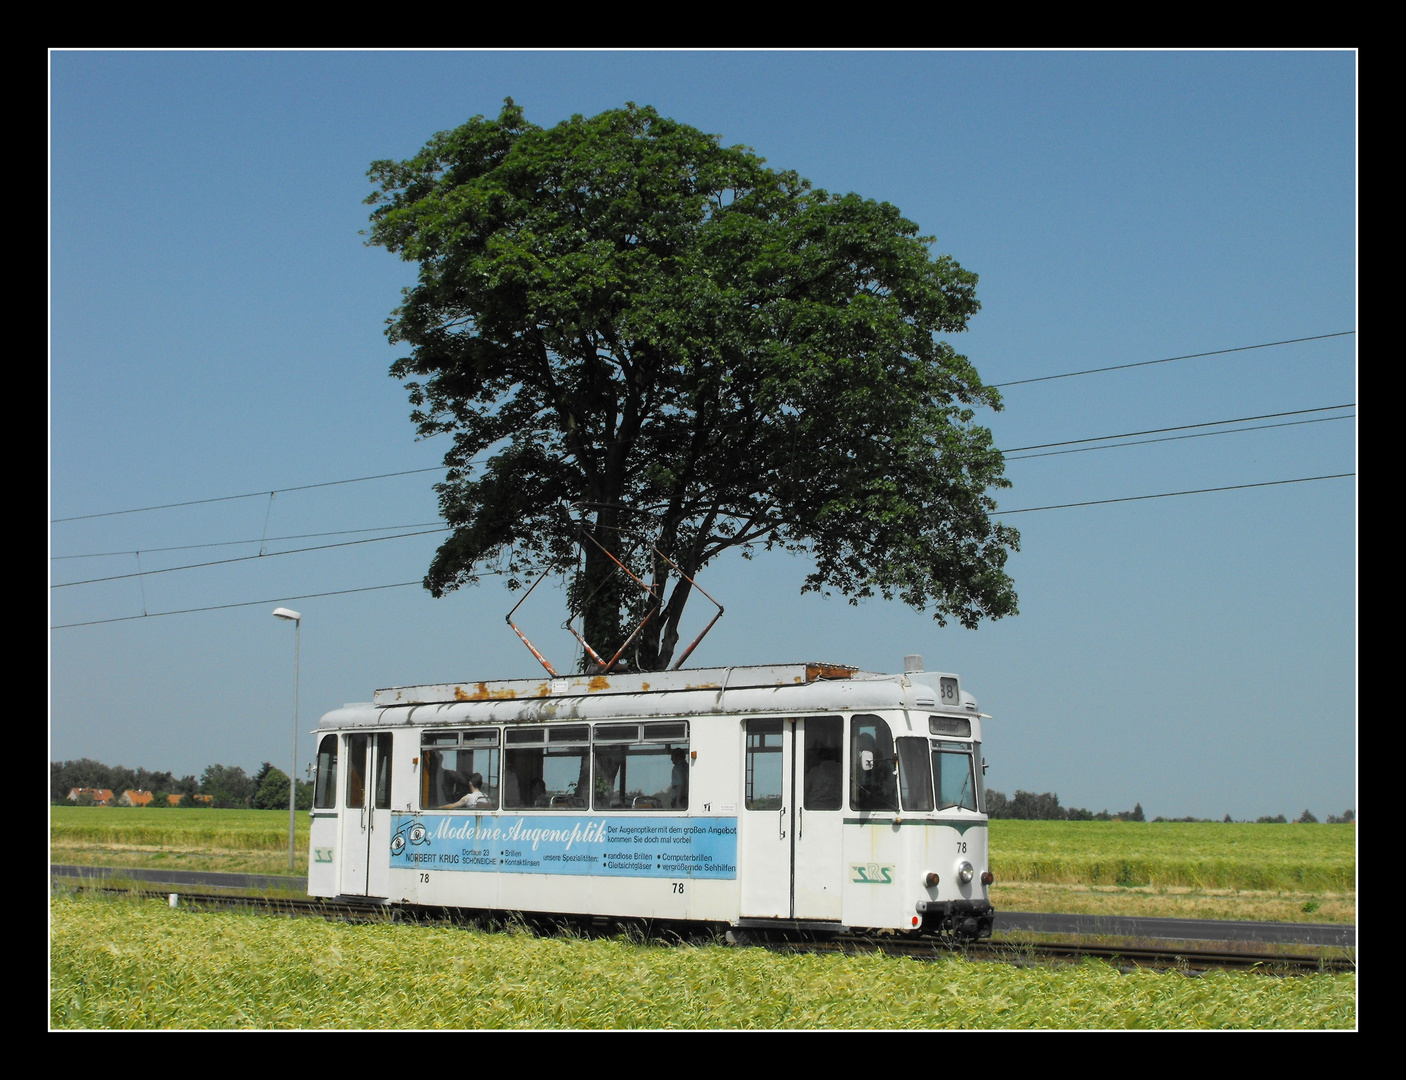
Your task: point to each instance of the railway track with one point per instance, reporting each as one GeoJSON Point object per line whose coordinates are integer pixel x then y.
{"type": "Point", "coordinates": [1191, 957]}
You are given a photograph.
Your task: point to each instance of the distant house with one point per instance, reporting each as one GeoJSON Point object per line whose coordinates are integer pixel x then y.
{"type": "Point", "coordinates": [175, 800]}
{"type": "Point", "coordinates": [134, 798]}
{"type": "Point", "coordinates": [100, 796]}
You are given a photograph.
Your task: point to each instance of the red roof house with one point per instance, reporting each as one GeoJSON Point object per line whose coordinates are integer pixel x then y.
{"type": "Point", "coordinates": [100, 796]}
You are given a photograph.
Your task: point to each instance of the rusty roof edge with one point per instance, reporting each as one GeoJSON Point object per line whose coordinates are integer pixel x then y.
{"type": "Point", "coordinates": [882, 693]}
{"type": "Point", "coordinates": [738, 677]}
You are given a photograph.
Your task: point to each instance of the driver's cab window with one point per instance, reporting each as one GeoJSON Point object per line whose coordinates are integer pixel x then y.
{"type": "Point", "coordinates": [873, 785]}
{"type": "Point", "coordinates": [325, 793]}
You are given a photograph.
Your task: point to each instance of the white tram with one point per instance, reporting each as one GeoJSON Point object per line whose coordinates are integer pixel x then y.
{"type": "Point", "coordinates": [807, 797]}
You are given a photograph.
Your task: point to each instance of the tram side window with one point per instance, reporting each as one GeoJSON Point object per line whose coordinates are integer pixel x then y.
{"type": "Point", "coordinates": [872, 783]}
{"type": "Point", "coordinates": [325, 795]}
{"type": "Point", "coordinates": [763, 765]}
{"type": "Point", "coordinates": [547, 768]}
{"type": "Point", "coordinates": [641, 766]}
{"type": "Point", "coordinates": [449, 761]}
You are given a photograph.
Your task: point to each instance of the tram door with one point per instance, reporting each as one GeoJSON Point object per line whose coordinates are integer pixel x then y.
{"type": "Point", "coordinates": [366, 816]}
{"type": "Point", "coordinates": [793, 818]}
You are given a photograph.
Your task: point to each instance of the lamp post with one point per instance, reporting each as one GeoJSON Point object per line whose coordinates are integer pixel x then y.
{"type": "Point", "coordinates": [297, 620]}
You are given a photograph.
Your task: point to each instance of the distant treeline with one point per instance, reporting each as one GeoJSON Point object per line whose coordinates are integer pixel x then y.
{"type": "Point", "coordinates": [1027, 806]}
{"type": "Point", "coordinates": [227, 786]}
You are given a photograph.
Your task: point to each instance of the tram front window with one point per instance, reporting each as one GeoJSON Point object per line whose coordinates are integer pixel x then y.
{"type": "Point", "coordinates": [952, 774]}
{"type": "Point", "coordinates": [915, 774]}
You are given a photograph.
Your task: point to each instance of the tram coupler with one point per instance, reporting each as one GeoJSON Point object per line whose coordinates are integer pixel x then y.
{"type": "Point", "coordinates": [971, 919]}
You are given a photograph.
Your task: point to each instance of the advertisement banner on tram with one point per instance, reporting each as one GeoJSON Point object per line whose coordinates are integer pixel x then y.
{"type": "Point", "coordinates": [578, 844]}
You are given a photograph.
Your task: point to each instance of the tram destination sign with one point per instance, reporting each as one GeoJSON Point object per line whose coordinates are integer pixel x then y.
{"type": "Point", "coordinates": [633, 846]}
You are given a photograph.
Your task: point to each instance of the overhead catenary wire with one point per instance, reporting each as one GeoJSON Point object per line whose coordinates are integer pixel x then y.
{"type": "Point", "coordinates": [269, 600]}
{"type": "Point", "coordinates": [1065, 446]}
{"type": "Point", "coordinates": [499, 573]}
{"type": "Point", "coordinates": [440, 468]}
{"type": "Point", "coordinates": [247, 558]}
{"type": "Point", "coordinates": [246, 495]}
{"type": "Point", "coordinates": [1173, 494]}
{"type": "Point", "coordinates": [239, 604]}
{"type": "Point", "coordinates": [1179, 438]}
{"type": "Point", "coordinates": [1024, 450]}
{"type": "Point", "coordinates": [1078, 448]}
{"type": "Point", "coordinates": [1169, 359]}
{"type": "Point", "coordinates": [237, 543]}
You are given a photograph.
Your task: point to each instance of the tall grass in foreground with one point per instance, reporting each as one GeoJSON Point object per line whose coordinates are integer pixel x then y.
{"type": "Point", "coordinates": [125, 963]}
{"type": "Point", "coordinates": [1175, 853]}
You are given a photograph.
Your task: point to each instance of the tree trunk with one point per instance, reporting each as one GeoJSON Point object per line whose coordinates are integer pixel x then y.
{"type": "Point", "coordinates": [600, 591]}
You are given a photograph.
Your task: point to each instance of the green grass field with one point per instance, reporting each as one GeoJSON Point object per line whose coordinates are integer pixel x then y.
{"type": "Point", "coordinates": [226, 841]}
{"type": "Point", "coordinates": [118, 962]}
{"type": "Point", "coordinates": [1278, 873]}
{"type": "Point", "coordinates": [177, 829]}
{"type": "Point", "coordinates": [1172, 853]}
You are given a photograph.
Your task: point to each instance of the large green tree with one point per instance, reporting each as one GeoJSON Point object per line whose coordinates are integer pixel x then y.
{"type": "Point", "coordinates": [633, 333]}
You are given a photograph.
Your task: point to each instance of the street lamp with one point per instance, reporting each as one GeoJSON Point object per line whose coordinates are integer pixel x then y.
{"type": "Point", "coordinates": [297, 620]}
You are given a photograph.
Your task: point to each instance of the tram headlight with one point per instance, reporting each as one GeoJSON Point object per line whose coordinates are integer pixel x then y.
{"type": "Point", "coordinates": [965, 873]}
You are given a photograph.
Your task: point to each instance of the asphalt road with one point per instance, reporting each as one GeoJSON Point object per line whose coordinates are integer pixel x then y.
{"type": "Point", "coordinates": [184, 877]}
{"type": "Point", "coordinates": [1178, 929]}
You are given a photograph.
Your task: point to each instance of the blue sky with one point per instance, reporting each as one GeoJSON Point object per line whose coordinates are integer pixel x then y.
{"type": "Point", "coordinates": [216, 329]}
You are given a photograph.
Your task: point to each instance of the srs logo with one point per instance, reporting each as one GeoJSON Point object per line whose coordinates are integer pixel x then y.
{"type": "Point", "coordinates": [322, 854]}
{"type": "Point", "coordinates": [871, 874]}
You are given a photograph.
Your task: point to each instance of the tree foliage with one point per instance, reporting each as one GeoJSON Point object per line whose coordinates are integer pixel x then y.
{"type": "Point", "coordinates": [623, 316]}
{"type": "Point", "coordinates": [271, 790]}
{"type": "Point", "coordinates": [64, 776]}
{"type": "Point", "coordinates": [229, 786]}
{"type": "Point", "coordinates": [1028, 806]}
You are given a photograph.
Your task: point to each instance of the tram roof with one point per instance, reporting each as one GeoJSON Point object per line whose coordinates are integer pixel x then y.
{"type": "Point", "coordinates": [635, 682]}
{"type": "Point", "coordinates": [698, 692]}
